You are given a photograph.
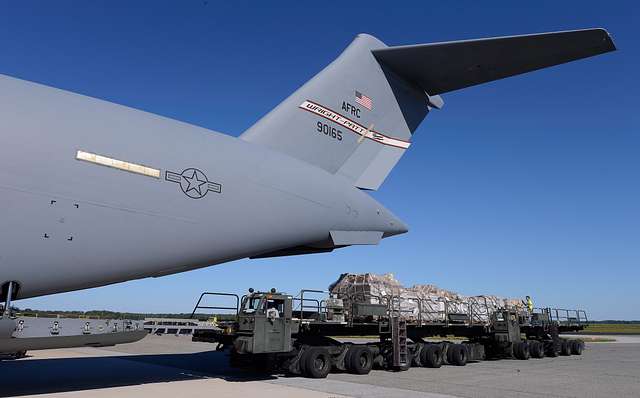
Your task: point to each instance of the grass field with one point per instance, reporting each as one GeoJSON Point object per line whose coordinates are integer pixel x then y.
{"type": "Point", "coordinates": [613, 328]}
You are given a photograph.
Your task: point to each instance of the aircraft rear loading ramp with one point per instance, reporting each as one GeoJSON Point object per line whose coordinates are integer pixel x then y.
{"type": "Point", "coordinates": [306, 334]}
{"type": "Point", "coordinates": [21, 334]}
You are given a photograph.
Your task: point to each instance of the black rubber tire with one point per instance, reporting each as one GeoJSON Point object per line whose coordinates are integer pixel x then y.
{"type": "Point", "coordinates": [521, 350]}
{"type": "Point", "coordinates": [360, 360]}
{"type": "Point", "coordinates": [431, 356]}
{"type": "Point", "coordinates": [262, 363]}
{"type": "Point", "coordinates": [515, 350]}
{"type": "Point", "coordinates": [347, 358]}
{"type": "Point", "coordinates": [409, 362]}
{"type": "Point", "coordinates": [536, 348]}
{"type": "Point", "coordinates": [526, 353]}
{"type": "Point", "coordinates": [457, 355]}
{"type": "Point", "coordinates": [550, 349]}
{"type": "Point", "coordinates": [576, 347]}
{"type": "Point", "coordinates": [565, 348]}
{"type": "Point", "coordinates": [317, 363]}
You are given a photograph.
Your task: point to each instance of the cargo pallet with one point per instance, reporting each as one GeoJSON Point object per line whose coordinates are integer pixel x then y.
{"type": "Point", "coordinates": [268, 333]}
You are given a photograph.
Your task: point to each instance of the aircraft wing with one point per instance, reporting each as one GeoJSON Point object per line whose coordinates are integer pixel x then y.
{"type": "Point", "coordinates": [441, 67]}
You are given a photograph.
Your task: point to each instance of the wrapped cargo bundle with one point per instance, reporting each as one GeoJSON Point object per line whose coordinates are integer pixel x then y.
{"type": "Point", "coordinates": [373, 289]}
{"type": "Point", "coordinates": [370, 288]}
{"type": "Point", "coordinates": [481, 307]}
{"type": "Point", "coordinates": [428, 303]}
{"type": "Point", "coordinates": [434, 291]}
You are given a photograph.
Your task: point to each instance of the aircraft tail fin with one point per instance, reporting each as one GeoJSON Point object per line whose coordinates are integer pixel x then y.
{"type": "Point", "coordinates": [356, 117]}
{"type": "Point", "coordinates": [350, 119]}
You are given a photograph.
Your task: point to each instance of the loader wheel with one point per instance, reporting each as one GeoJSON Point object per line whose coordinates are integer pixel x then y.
{"type": "Point", "coordinates": [409, 362]}
{"type": "Point", "coordinates": [317, 363]}
{"type": "Point", "coordinates": [431, 356]}
{"type": "Point", "coordinates": [576, 347]}
{"type": "Point", "coordinates": [401, 368]}
{"type": "Point", "coordinates": [565, 348]}
{"type": "Point", "coordinates": [360, 360]}
{"type": "Point", "coordinates": [536, 348]}
{"type": "Point", "coordinates": [521, 350]}
{"type": "Point", "coordinates": [457, 355]}
{"type": "Point", "coordinates": [347, 358]}
{"type": "Point", "coordinates": [551, 348]}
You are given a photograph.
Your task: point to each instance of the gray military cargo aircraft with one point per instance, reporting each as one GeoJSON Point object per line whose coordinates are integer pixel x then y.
{"type": "Point", "coordinates": [95, 193]}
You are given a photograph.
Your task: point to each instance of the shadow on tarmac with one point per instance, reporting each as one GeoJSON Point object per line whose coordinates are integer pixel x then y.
{"type": "Point", "coordinates": [41, 376]}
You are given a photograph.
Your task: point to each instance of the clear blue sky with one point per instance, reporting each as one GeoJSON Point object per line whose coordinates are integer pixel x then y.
{"type": "Point", "coordinates": [528, 185]}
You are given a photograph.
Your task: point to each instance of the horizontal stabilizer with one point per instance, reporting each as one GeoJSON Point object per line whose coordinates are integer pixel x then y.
{"type": "Point", "coordinates": [356, 118]}
{"type": "Point", "coordinates": [441, 67]}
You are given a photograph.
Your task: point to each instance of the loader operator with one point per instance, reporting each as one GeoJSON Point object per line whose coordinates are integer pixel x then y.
{"type": "Point", "coordinates": [529, 304]}
{"type": "Point", "coordinates": [272, 310]}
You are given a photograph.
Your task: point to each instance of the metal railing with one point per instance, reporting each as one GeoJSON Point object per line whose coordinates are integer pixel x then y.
{"type": "Point", "coordinates": [302, 300]}
{"type": "Point", "coordinates": [568, 317]}
{"type": "Point", "coordinates": [476, 310]}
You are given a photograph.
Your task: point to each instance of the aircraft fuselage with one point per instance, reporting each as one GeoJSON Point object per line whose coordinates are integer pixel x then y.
{"type": "Point", "coordinates": [69, 223]}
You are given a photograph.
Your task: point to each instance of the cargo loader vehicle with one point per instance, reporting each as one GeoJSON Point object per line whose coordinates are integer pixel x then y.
{"type": "Point", "coordinates": [312, 336]}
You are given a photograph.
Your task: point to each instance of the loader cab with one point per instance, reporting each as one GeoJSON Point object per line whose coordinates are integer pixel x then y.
{"type": "Point", "coordinates": [506, 326]}
{"type": "Point", "coordinates": [265, 320]}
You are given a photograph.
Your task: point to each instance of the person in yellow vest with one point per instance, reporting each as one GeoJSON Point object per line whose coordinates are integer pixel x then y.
{"type": "Point", "coordinates": [529, 304]}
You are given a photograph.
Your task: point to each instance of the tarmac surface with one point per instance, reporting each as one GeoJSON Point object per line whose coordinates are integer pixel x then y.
{"type": "Point", "coordinates": [171, 366]}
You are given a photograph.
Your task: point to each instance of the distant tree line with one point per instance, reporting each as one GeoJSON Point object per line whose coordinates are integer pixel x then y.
{"type": "Point", "coordinates": [618, 322]}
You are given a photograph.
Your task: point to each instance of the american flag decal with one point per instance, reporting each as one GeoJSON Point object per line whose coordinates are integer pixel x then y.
{"type": "Point", "coordinates": [364, 100]}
